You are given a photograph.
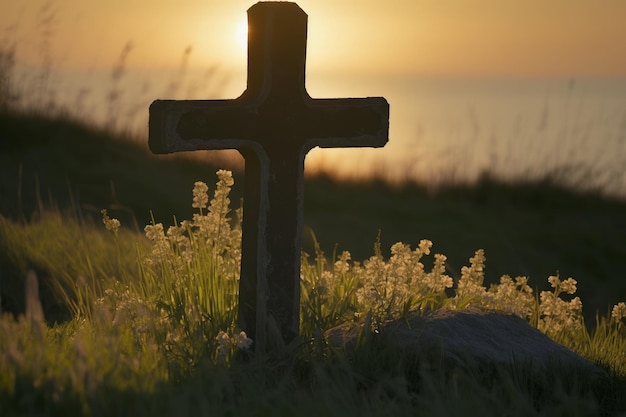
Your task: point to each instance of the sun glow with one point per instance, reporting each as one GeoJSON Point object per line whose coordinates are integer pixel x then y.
{"type": "Point", "coordinates": [241, 34]}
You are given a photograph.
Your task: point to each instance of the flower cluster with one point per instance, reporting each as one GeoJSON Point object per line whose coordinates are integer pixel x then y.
{"type": "Point", "coordinates": [556, 314]}
{"type": "Point", "coordinates": [194, 271]}
{"type": "Point", "coordinates": [619, 312]}
{"type": "Point", "coordinates": [200, 196]}
{"type": "Point", "coordinates": [162, 251]}
{"type": "Point", "coordinates": [176, 249]}
{"type": "Point", "coordinates": [119, 306]}
{"type": "Point", "coordinates": [514, 297]}
{"type": "Point", "coordinates": [112, 225]}
{"type": "Point", "coordinates": [470, 288]}
{"type": "Point", "coordinates": [197, 264]}
{"type": "Point", "coordinates": [227, 345]}
{"type": "Point", "coordinates": [392, 288]}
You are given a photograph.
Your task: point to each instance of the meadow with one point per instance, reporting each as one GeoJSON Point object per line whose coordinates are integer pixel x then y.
{"type": "Point", "coordinates": [137, 316]}
{"type": "Point", "coordinates": [132, 310]}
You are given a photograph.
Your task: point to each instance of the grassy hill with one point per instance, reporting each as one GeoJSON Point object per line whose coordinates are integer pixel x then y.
{"type": "Point", "coordinates": [532, 228]}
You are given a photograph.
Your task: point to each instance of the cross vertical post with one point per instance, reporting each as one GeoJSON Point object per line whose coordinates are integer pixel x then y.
{"type": "Point", "coordinates": [273, 124]}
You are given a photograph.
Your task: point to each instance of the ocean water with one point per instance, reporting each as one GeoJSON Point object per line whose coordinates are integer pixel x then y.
{"type": "Point", "coordinates": [458, 129]}
{"type": "Point", "coordinates": [441, 129]}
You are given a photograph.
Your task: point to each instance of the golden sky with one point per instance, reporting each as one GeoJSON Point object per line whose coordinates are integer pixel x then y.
{"type": "Point", "coordinates": [420, 37]}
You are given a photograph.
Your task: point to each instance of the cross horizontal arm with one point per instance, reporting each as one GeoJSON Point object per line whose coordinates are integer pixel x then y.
{"type": "Point", "coordinates": [348, 122]}
{"type": "Point", "coordinates": [220, 121]}
{"type": "Point", "coordinates": [235, 124]}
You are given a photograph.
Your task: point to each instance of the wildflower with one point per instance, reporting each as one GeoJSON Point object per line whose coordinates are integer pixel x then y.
{"type": "Point", "coordinates": [325, 281]}
{"type": "Point", "coordinates": [373, 291]}
{"type": "Point", "coordinates": [569, 286]}
{"type": "Point", "coordinates": [243, 341]}
{"type": "Point", "coordinates": [342, 266]}
{"type": "Point", "coordinates": [214, 227]}
{"type": "Point", "coordinates": [401, 269]}
{"type": "Point", "coordinates": [558, 315]}
{"type": "Point", "coordinates": [112, 225]}
{"type": "Point", "coordinates": [510, 296]}
{"type": "Point", "coordinates": [225, 177]}
{"type": "Point", "coordinates": [226, 344]}
{"type": "Point", "coordinates": [619, 312]}
{"type": "Point", "coordinates": [576, 305]}
{"type": "Point", "coordinates": [181, 243]}
{"type": "Point", "coordinates": [154, 232]}
{"type": "Point", "coordinates": [438, 281]}
{"type": "Point", "coordinates": [470, 286]}
{"type": "Point", "coordinates": [394, 287]}
{"type": "Point", "coordinates": [220, 203]}
{"type": "Point", "coordinates": [200, 196]}
{"type": "Point", "coordinates": [424, 246]}
{"type": "Point", "coordinates": [522, 283]}
{"type": "Point", "coordinates": [554, 281]}
{"type": "Point", "coordinates": [160, 244]}
{"type": "Point", "coordinates": [223, 344]}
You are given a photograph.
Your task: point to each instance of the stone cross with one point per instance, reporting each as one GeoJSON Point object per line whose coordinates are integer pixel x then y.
{"type": "Point", "coordinates": [273, 124]}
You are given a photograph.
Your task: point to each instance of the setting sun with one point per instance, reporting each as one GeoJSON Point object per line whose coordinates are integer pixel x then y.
{"type": "Point", "coordinates": [241, 34]}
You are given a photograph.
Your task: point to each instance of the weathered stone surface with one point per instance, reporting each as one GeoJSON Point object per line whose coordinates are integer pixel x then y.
{"type": "Point", "coordinates": [456, 337]}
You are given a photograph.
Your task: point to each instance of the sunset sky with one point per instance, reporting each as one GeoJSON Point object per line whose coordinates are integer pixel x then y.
{"type": "Point", "coordinates": [394, 37]}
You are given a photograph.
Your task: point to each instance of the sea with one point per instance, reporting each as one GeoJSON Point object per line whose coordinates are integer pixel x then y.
{"type": "Point", "coordinates": [442, 129]}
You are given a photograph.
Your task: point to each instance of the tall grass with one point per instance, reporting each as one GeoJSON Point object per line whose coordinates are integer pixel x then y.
{"type": "Point", "coordinates": [75, 257]}
{"type": "Point", "coordinates": [152, 329]}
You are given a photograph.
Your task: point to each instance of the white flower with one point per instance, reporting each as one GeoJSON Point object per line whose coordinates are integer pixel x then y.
{"type": "Point", "coordinates": [154, 232]}
{"type": "Point", "coordinates": [424, 246]}
{"type": "Point", "coordinates": [342, 265]}
{"type": "Point", "coordinates": [470, 286]}
{"type": "Point", "coordinates": [569, 286]}
{"type": "Point", "coordinates": [112, 225]}
{"type": "Point", "coordinates": [243, 341]}
{"type": "Point", "coordinates": [619, 312]}
{"type": "Point", "coordinates": [225, 177]}
{"type": "Point", "coordinates": [223, 344]}
{"type": "Point", "coordinates": [558, 315]}
{"type": "Point", "coordinates": [200, 197]}
{"type": "Point", "coordinates": [554, 281]}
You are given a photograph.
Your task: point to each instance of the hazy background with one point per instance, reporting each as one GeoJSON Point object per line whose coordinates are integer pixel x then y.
{"type": "Point", "coordinates": [517, 88]}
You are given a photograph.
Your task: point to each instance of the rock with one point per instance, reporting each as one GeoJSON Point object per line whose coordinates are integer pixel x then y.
{"type": "Point", "coordinates": [456, 338]}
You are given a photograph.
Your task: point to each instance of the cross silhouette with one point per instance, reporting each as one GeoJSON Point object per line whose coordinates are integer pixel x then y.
{"type": "Point", "coordinates": [273, 124]}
